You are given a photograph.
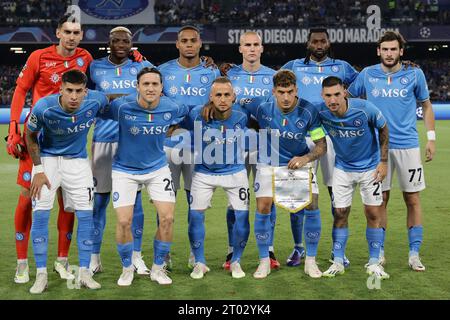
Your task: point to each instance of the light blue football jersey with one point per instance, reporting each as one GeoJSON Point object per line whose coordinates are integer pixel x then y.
{"type": "Point", "coordinates": [113, 79]}
{"type": "Point", "coordinates": [396, 95]}
{"type": "Point", "coordinates": [251, 84]}
{"type": "Point", "coordinates": [310, 76]}
{"type": "Point", "coordinates": [142, 133]}
{"type": "Point", "coordinates": [354, 136]}
{"type": "Point", "coordinates": [187, 86]}
{"type": "Point", "coordinates": [289, 129]}
{"type": "Point", "coordinates": [222, 140]}
{"type": "Point", "coordinates": [63, 133]}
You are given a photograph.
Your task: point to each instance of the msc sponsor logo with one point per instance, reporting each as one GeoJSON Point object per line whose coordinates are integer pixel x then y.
{"type": "Point", "coordinates": [287, 134]}
{"type": "Point", "coordinates": [312, 80]}
{"type": "Point", "coordinates": [313, 235]}
{"type": "Point", "coordinates": [39, 240]}
{"type": "Point", "coordinates": [144, 130]}
{"type": "Point", "coordinates": [190, 91]}
{"type": "Point", "coordinates": [339, 133]}
{"type": "Point", "coordinates": [80, 127]}
{"type": "Point", "coordinates": [389, 93]}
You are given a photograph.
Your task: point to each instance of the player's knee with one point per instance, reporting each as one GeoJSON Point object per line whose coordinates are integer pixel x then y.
{"type": "Point", "coordinates": [264, 205]}
{"type": "Point", "coordinates": [412, 199]}
{"type": "Point", "coordinates": [341, 216]}
{"type": "Point", "coordinates": [166, 221]}
{"type": "Point", "coordinates": [124, 223]}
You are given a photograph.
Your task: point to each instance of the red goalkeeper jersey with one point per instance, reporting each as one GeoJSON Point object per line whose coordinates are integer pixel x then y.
{"type": "Point", "coordinates": [44, 68]}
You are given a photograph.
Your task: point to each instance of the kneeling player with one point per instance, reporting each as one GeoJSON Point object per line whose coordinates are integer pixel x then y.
{"type": "Point", "coordinates": [352, 126]}
{"type": "Point", "coordinates": [144, 122]}
{"type": "Point", "coordinates": [223, 166]}
{"type": "Point", "coordinates": [60, 160]}
{"type": "Point", "coordinates": [289, 119]}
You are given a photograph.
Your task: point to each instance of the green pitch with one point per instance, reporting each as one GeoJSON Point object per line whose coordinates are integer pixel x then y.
{"type": "Point", "coordinates": [287, 283]}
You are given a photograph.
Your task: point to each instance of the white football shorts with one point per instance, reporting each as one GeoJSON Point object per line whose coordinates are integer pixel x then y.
{"type": "Point", "coordinates": [409, 168]}
{"type": "Point", "coordinates": [235, 186]}
{"type": "Point", "coordinates": [74, 176]}
{"type": "Point", "coordinates": [158, 183]}
{"type": "Point", "coordinates": [344, 185]}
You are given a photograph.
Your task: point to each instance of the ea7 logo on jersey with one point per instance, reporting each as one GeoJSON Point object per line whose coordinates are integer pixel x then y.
{"type": "Point", "coordinates": [130, 117]}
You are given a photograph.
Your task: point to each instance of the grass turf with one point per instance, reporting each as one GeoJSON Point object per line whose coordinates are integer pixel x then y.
{"type": "Point", "coordinates": [287, 283]}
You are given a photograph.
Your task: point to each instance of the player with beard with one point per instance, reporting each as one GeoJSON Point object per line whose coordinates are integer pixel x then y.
{"type": "Point", "coordinates": [395, 90]}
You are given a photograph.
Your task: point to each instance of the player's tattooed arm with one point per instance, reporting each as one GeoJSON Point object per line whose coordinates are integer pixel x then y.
{"type": "Point", "coordinates": [381, 169]}
{"type": "Point", "coordinates": [319, 149]}
{"type": "Point", "coordinates": [39, 177]}
{"type": "Point", "coordinates": [33, 147]}
{"type": "Point", "coordinates": [224, 67]}
{"type": "Point", "coordinates": [209, 62]}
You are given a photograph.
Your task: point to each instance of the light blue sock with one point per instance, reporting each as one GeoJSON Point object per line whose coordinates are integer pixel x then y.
{"type": "Point", "coordinates": [262, 233]}
{"type": "Point", "coordinates": [161, 249]}
{"type": "Point", "coordinates": [137, 225]}
{"type": "Point", "coordinates": [415, 236]}
{"type": "Point", "coordinates": [39, 236]}
{"type": "Point", "coordinates": [230, 223]}
{"type": "Point", "coordinates": [101, 201]}
{"type": "Point", "coordinates": [241, 232]}
{"type": "Point", "coordinates": [374, 238]}
{"type": "Point", "coordinates": [84, 236]}
{"type": "Point", "coordinates": [297, 226]}
{"type": "Point", "coordinates": [196, 233]}
{"type": "Point", "coordinates": [313, 228]}
{"type": "Point", "coordinates": [125, 252]}
{"type": "Point", "coordinates": [340, 236]}
{"type": "Point", "coordinates": [273, 222]}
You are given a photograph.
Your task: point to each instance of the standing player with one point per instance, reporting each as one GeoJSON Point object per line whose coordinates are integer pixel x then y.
{"type": "Point", "coordinates": [361, 158]}
{"type": "Point", "coordinates": [396, 90]}
{"type": "Point", "coordinates": [115, 75]}
{"type": "Point", "coordinates": [225, 132]}
{"type": "Point", "coordinates": [42, 74]}
{"type": "Point", "coordinates": [144, 122]}
{"type": "Point", "coordinates": [290, 119]}
{"type": "Point", "coordinates": [59, 155]}
{"type": "Point", "coordinates": [186, 81]}
{"type": "Point", "coordinates": [250, 80]}
{"type": "Point", "coordinates": [310, 72]}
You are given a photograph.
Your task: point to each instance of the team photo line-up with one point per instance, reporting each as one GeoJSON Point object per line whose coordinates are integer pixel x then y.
{"type": "Point", "coordinates": [215, 128]}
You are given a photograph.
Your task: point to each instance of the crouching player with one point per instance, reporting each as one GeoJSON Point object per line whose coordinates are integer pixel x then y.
{"type": "Point", "coordinates": [220, 162]}
{"type": "Point", "coordinates": [288, 119]}
{"type": "Point", "coordinates": [352, 125]}
{"type": "Point", "coordinates": [144, 121]}
{"type": "Point", "coordinates": [56, 137]}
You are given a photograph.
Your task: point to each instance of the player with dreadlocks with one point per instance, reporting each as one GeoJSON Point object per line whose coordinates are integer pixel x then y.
{"type": "Point", "coordinates": [310, 72]}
